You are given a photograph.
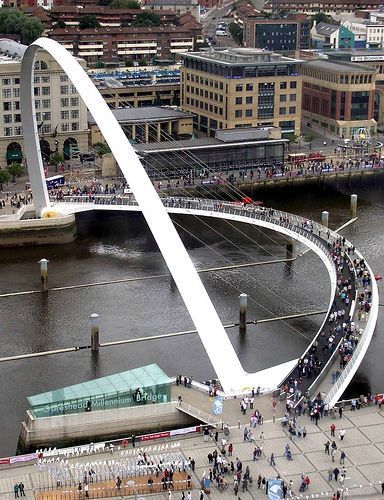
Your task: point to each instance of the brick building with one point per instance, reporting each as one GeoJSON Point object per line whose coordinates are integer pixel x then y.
{"type": "Point", "coordinates": [312, 7]}
{"type": "Point", "coordinates": [338, 98]}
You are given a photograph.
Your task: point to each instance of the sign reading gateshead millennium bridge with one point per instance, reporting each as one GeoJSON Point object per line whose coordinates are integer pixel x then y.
{"type": "Point", "coordinates": [144, 385]}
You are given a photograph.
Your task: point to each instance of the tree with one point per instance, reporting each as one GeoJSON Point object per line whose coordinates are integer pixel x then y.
{"type": "Point", "coordinates": [4, 178]}
{"type": "Point", "coordinates": [237, 33]}
{"type": "Point", "coordinates": [124, 4]}
{"type": "Point", "coordinates": [147, 18]}
{"type": "Point", "coordinates": [101, 148]}
{"type": "Point", "coordinates": [15, 170]}
{"type": "Point", "coordinates": [56, 158]}
{"type": "Point", "coordinates": [309, 138]}
{"type": "Point", "coordinates": [18, 23]}
{"type": "Point", "coordinates": [142, 62]}
{"type": "Point", "coordinates": [291, 137]}
{"type": "Point", "coordinates": [60, 24]}
{"type": "Point", "coordinates": [320, 17]}
{"type": "Point", "coordinates": [88, 21]}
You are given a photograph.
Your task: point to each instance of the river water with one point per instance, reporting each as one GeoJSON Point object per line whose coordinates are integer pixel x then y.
{"type": "Point", "coordinates": [117, 246]}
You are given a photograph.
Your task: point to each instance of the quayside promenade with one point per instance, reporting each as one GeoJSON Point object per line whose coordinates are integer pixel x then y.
{"type": "Point", "coordinates": [363, 445]}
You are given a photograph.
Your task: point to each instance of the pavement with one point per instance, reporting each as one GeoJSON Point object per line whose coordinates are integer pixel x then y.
{"type": "Point", "coordinates": [363, 445]}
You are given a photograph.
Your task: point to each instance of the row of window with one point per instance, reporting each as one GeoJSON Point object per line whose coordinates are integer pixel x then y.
{"type": "Point", "coordinates": [44, 129]}
{"type": "Point", "coordinates": [205, 93]}
{"type": "Point", "coordinates": [41, 79]}
{"type": "Point", "coordinates": [248, 87]}
{"type": "Point", "coordinates": [249, 99]}
{"type": "Point", "coordinates": [204, 105]}
{"type": "Point", "coordinates": [10, 81]}
{"type": "Point", "coordinates": [336, 78]}
{"type": "Point", "coordinates": [291, 110]}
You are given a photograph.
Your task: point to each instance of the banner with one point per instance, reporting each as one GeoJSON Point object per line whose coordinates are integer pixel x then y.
{"type": "Point", "coordinates": [275, 491]}
{"type": "Point", "coordinates": [186, 430]}
{"type": "Point", "coordinates": [217, 406]}
{"type": "Point", "coordinates": [155, 435]}
{"type": "Point", "coordinates": [23, 458]}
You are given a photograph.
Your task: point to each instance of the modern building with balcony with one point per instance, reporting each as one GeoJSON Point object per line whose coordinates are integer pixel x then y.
{"type": "Point", "coordinates": [236, 87]}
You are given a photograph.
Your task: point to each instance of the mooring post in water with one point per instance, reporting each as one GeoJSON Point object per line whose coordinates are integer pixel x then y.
{"type": "Point", "coordinates": [243, 301]}
{"type": "Point", "coordinates": [325, 218]}
{"type": "Point", "coordinates": [289, 249]}
{"type": "Point", "coordinates": [353, 206]}
{"type": "Point", "coordinates": [95, 324]}
{"type": "Point", "coordinates": [44, 274]}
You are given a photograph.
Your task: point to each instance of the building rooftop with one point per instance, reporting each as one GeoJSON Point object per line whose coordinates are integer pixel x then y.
{"type": "Point", "coordinates": [342, 67]}
{"type": "Point", "coordinates": [326, 29]}
{"type": "Point", "coordinates": [145, 114]}
{"type": "Point", "coordinates": [171, 2]}
{"type": "Point", "coordinates": [239, 56]}
{"type": "Point", "coordinates": [115, 30]}
{"type": "Point", "coordinates": [11, 50]}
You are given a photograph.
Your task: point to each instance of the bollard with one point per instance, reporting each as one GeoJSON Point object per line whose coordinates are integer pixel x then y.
{"type": "Point", "coordinates": [44, 274]}
{"type": "Point", "coordinates": [325, 218]}
{"type": "Point", "coordinates": [243, 300]}
{"type": "Point", "coordinates": [353, 206]}
{"type": "Point", "coordinates": [289, 249]}
{"type": "Point", "coordinates": [95, 321]}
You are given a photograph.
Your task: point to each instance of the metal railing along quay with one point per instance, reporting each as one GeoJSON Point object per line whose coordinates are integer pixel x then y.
{"type": "Point", "coordinates": [311, 231]}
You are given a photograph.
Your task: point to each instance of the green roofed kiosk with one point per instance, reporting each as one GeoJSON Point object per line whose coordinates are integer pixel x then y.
{"type": "Point", "coordinates": [141, 386]}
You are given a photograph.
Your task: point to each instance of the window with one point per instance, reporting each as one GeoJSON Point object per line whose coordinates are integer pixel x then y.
{"type": "Point", "coordinates": [292, 110]}
{"type": "Point", "coordinates": [37, 103]}
{"type": "Point", "coordinates": [282, 111]}
{"type": "Point", "coordinates": [248, 112]}
{"type": "Point", "coordinates": [283, 85]}
{"type": "Point", "coordinates": [239, 88]}
{"type": "Point", "coordinates": [16, 105]}
{"type": "Point", "coordinates": [47, 116]}
{"type": "Point", "coordinates": [249, 87]}
{"type": "Point", "coordinates": [7, 131]}
{"type": "Point", "coordinates": [74, 101]}
{"type": "Point", "coordinates": [7, 106]}
{"type": "Point", "coordinates": [239, 100]}
{"type": "Point", "coordinates": [249, 100]}
{"type": "Point", "coordinates": [64, 115]}
{"type": "Point", "coordinates": [65, 127]}
{"type": "Point", "coordinates": [63, 89]}
{"type": "Point", "coordinates": [73, 89]}
{"type": "Point", "coordinates": [7, 119]}
{"type": "Point", "coordinates": [45, 90]}
{"type": "Point", "coordinates": [46, 129]}
{"type": "Point", "coordinates": [18, 130]}
{"type": "Point", "coordinates": [292, 97]}
{"type": "Point", "coordinates": [293, 85]}
{"type": "Point", "coordinates": [45, 79]}
{"type": "Point", "coordinates": [36, 79]}
{"type": "Point", "coordinates": [17, 118]}
{"type": "Point", "coordinates": [283, 98]}
{"type": "Point", "coordinates": [238, 113]}
{"type": "Point", "coordinates": [46, 103]}
{"type": "Point", "coordinates": [6, 81]}
{"type": "Point", "coordinates": [74, 126]}
{"type": "Point", "coordinates": [16, 81]}
{"type": "Point", "coordinates": [64, 103]}
{"type": "Point", "coordinates": [6, 93]}
{"type": "Point", "coordinates": [36, 91]}
{"type": "Point", "coordinates": [63, 78]}
{"type": "Point", "coordinates": [16, 92]}
{"type": "Point", "coordinates": [38, 117]}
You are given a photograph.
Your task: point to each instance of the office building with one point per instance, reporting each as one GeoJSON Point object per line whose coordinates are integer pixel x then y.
{"type": "Point", "coordinates": [60, 112]}
{"type": "Point", "coordinates": [233, 87]}
{"type": "Point", "coordinates": [338, 98]}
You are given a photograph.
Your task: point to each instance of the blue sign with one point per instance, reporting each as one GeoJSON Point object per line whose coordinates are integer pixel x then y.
{"type": "Point", "coordinates": [275, 491]}
{"type": "Point", "coordinates": [217, 407]}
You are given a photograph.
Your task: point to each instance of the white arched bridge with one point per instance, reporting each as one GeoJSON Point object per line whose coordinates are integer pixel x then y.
{"type": "Point", "coordinates": [155, 210]}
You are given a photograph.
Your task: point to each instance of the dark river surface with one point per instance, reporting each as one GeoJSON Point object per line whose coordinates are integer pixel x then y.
{"type": "Point", "coordinates": [116, 246]}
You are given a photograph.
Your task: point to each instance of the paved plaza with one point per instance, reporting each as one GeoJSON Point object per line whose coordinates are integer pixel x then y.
{"type": "Point", "coordinates": [363, 445]}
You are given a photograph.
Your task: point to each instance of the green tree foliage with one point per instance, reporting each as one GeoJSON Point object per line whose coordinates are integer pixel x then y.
{"type": "Point", "coordinates": [237, 33]}
{"type": "Point", "coordinates": [14, 22]}
{"type": "Point", "coordinates": [147, 18]}
{"type": "Point", "coordinates": [309, 138]}
{"type": "Point", "coordinates": [320, 17]}
{"type": "Point", "coordinates": [124, 4]}
{"type": "Point", "coordinates": [101, 148]}
{"type": "Point", "coordinates": [60, 24]}
{"type": "Point", "coordinates": [88, 21]}
{"type": "Point", "coordinates": [4, 177]}
{"type": "Point", "coordinates": [15, 170]}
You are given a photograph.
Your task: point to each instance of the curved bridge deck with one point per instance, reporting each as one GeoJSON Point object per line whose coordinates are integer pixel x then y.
{"type": "Point", "coordinates": [344, 268]}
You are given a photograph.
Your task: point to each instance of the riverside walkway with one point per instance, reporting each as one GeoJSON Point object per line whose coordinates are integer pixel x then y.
{"type": "Point", "coordinates": [363, 445]}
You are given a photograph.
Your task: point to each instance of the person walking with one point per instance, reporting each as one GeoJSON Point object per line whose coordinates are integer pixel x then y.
{"type": "Point", "coordinates": [16, 490]}
{"type": "Point", "coordinates": [133, 439]}
{"type": "Point", "coordinates": [342, 434]}
{"type": "Point", "coordinates": [272, 460]}
{"type": "Point", "coordinates": [342, 457]}
{"type": "Point", "coordinates": [326, 447]}
{"type": "Point", "coordinates": [336, 473]}
{"type": "Point", "coordinates": [304, 432]}
{"type": "Point", "coordinates": [230, 449]}
{"type": "Point", "coordinates": [333, 454]}
{"type": "Point", "coordinates": [21, 489]}
{"type": "Point", "coordinates": [340, 411]}
{"type": "Point", "coordinates": [189, 496]}
{"type": "Point", "coordinates": [333, 428]}
{"type": "Point", "coordinates": [86, 488]}
{"type": "Point", "coordinates": [330, 474]}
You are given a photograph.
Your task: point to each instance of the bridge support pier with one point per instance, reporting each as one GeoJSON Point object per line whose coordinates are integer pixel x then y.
{"type": "Point", "coordinates": [353, 206]}
{"type": "Point", "coordinates": [95, 324]}
{"type": "Point", "coordinates": [325, 218]}
{"type": "Point", "coordinates": [289, 249]}
{"type": "Point", "coordinates": [243, 302]}
{"type": "Point", "coordinates": [44, 274]}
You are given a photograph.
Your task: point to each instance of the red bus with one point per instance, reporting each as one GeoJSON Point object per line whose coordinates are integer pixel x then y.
{"type": "Point", "coordinates": [297, 158]}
